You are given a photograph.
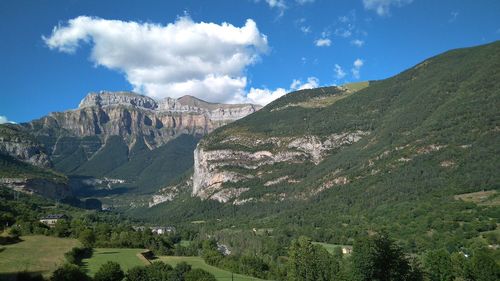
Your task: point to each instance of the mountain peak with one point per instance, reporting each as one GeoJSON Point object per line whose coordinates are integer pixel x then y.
{"type": "Point", "coordinates": [107, 98]}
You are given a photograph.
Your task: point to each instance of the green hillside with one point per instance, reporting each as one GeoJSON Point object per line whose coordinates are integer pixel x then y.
{"type": "Point", "coordinates": [432, 133]}
{"type": "Point", "coordinates": [143, 169]}
{"type": "Point", "coordinates": [13, 168]}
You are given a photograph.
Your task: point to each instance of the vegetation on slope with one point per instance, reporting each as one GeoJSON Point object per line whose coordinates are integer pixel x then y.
{"type": "Point", "coordinates": [13, 168]}
{"type": "Point", "coordinates": [433, 134]}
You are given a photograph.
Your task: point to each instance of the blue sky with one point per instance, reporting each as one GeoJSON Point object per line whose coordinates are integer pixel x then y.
{"type": "Point", "coordinates": [53, 53]}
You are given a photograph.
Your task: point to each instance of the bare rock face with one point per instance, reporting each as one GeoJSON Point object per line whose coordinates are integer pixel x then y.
{"type": "Point", "coordinates": [15, 143]}
{"type": "Point", "coordinates": [214, 169]}
{"type": "Point", "coordinates": [134, 116]}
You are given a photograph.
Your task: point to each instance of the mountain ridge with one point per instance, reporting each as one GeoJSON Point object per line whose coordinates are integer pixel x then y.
{"type": "Point", "coordinates": [109, 131]}
{"type": "Point", "coordinates": [329, 164]}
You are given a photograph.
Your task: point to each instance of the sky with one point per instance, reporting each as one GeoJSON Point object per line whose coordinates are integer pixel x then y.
{"type": "Point", "coordinates": [53, 52]}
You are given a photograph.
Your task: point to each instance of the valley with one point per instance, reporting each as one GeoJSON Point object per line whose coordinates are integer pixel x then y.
{"type": "Point", "coordinates": [390, 179]}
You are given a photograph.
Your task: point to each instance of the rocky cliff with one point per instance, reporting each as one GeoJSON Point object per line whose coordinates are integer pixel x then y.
{"type": "Point", "coordinates": [16, 143]}
{"type": "Point", "coordinates": [139, 140]}
{"type": "Point", "coordinates": [224, 174]}
{"type": "Point", "coordinates": [134, 117]}
{"type": "Point", "coordinates": [248, 162]}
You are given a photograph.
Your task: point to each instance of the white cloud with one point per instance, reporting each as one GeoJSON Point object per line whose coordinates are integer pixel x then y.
{"type": "Point", "coordinates": [302, 2]}
{"type": "Point", "coordinates": [355, 70]}
{"type": "Point", "coordinates": [312, 82]}
{"type": "Point", "coordinates": [305, 29]}
{"type": "Point", "coordinates": [383, 7]}
{"type": "Point", "coordinates": [358, 42]}
{"type": "Point", "coordinates": [265, 96]}
{"type": "Point", "coordinates": [344, 32]}
{"type": "Point", "coordinates": [323, 42]}
{"type": "Point", "coordinates": [206, 60]}
{"type": "Point", "coordinates": [343, 19]}
{"type": "Point", "coordinates": [4, 119]}
{"type": "Point", "coordinates": [339, 72]}
{"type": "Point", "coordinates": [453, 16]}
{"type": "Point", "coordinates": [280, 5]}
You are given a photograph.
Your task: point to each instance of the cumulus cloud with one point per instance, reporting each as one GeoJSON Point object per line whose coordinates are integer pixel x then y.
{"type": "Point", "coordinates": [311, 83]}
{"type": "Point", "coordinates": [265, 96]}
{"type": "Point", "coordinates": [356, 67]}
{"type": "Point", "coordinates": [382, 7]}
{"type": "Point", "coordinates": [4, 119]}
{"type": "Point", "coordinates": [358, 42]}
{"type": "Point", "coordinates": [339, 72]}
{"type": "Point", "coordinates": [324, 41]}
{"type": "Point", "coordinates": [206, 60]}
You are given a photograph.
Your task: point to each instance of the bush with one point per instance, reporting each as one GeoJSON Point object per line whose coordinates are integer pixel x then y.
{"type": "Point", "coordinates": [110, 271]}
{"type": "Point", "coordinates": [69, 272]}
{"type": "Point", "coordinates": [76, 255]}
{"type": "Point", "coordinates": [199, 275]}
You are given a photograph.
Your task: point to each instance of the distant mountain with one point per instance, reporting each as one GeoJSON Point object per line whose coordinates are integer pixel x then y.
{"type": "Point", "coordinates": [24, 166]}
{"type": "Point", "coordinates": [132, 139]}
{"type": "Point", "coordinates": [334, 161]}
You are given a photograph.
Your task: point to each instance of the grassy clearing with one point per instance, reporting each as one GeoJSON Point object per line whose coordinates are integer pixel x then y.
{"type": "Point", "coordinates": [356, 86]}
{"type": "Point", "coordinates": [40, 254]}
{"type": "Point", "coordinates": [331, 247]}
{"type": "Point", "coordinates": [483, 198]}
{"type": "Point", "coordinates": [127, 258]}
{"type": "Point", "coordinates": [197, 262]}
{"type": "Point", "coordinates": [323, 101]}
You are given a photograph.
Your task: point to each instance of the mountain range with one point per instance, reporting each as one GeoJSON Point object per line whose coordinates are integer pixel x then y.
{"type": "Point", "coordinates": [120, 137]}
{"type": "Point", "coordinates": [394, 153]}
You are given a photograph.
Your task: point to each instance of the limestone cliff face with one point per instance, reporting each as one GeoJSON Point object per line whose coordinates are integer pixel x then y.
{"type": "Point", "coordinates": [134, 116]}
{"type": "Point", "coordinates": [221, 174]}
{"type": "Point", "coordinates": [21, 146]}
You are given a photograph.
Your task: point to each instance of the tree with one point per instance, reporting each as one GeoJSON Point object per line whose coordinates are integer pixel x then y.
{"type": "Point", "coordinates": [438, 265]}
{"type": "Point", "coordinates": [69, 272]}
{"type": "Point", "coordinates": [199, 275]}
{"type": "Point", "coordinates": [110, 271]}
{"type": "Point", "coordinates": [159, 271]}
{"type": "Point", "coordinates": [484, 267]}
{"type": "Point", "coordinates": [15, 232]}
{"type": "Point", "coordinates": [87, 238]}
{"type": "Point", "coordinates": [210, 253]}
{"type": "Point", "coordinates": [309, 262]}
{"type": "Point", "coordinates": [179, 271]}
{"type": "Point", "coordinates": [62, 228]}
{"type": "Point", "coordinates": [378, 258]}
{"type": "Point", "coordinates": [461, 267]}
{"type": "Point", "coordinates": [137, 273]}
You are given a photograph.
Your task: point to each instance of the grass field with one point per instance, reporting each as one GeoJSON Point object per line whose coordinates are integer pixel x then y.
{"type": "Point", "coordinates": [40, 254]}
{"type": "Point", "coordinates": [331, 247]}
{"type": "Point", "coordinates": [197, 262]}
{"type": "Point", "coordinates": [127, 258]}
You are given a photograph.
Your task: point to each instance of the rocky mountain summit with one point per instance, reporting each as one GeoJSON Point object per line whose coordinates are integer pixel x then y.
{"type": "Point", "coordinates": [133, 116]}
{"type": "Point", "coordinates": [140, 141]}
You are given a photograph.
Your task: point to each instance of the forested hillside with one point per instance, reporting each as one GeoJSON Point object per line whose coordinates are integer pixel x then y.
{"type": "Point", "coordinates": [408, 145]}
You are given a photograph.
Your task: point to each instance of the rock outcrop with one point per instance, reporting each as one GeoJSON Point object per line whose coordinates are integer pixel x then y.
{"type": "Point", "coordinates": [16, 143]}
{"type": "Point", "coordinates": [215, 169]}
{"type": "Point", "coordinates": [134, 116]}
